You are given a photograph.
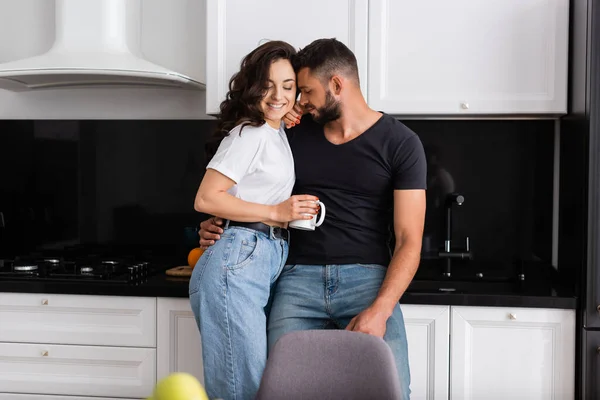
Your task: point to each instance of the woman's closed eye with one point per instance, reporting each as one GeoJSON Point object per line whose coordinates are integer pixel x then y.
{"type": "Point", "coordinates": [267, 88]}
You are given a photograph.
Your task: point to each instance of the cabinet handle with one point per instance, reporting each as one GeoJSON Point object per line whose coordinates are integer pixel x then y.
{"type": "Point", "coordinates": [45, 353]}
{"type": "Point", "coordinates": [45, 302]}
{"type": "Point", "coordinates": [512, 316]}
{"type": "Point", "coordinates": [464, 106]}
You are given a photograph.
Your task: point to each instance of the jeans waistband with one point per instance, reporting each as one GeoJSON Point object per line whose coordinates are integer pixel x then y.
{"type": "Point", "coordinates": [274, 232]}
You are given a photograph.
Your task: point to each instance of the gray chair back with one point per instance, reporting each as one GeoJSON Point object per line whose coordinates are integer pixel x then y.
{"type": "Point", "coordinates": [330, 365]}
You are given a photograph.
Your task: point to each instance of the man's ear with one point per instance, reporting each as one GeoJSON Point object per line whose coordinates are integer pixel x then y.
{"type": "Point", "coordinates": [336, 83]}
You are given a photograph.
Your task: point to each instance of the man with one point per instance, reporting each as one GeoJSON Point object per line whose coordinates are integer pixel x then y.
{"type": "Point", "coordinates": [369, 170]}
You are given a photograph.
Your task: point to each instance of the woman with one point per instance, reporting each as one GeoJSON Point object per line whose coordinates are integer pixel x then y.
{"type": "Point", "coordinates": [248, 182]}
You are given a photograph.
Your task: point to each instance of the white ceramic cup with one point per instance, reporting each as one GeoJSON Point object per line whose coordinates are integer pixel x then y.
{"type": "Point", "coordinates": [309, 224]}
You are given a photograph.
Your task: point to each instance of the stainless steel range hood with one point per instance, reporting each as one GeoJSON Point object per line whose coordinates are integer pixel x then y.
{"type": "Point", "coordinates": [97, 44]}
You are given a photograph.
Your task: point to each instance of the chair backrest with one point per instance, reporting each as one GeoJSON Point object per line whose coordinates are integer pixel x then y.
{"type": "Point", "coordinates": [328, 365]}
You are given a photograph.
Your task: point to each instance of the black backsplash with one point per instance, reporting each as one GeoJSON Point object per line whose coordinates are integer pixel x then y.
{"type": "Point", "coordinates": [504, 169]}
{"type": "Point", "coordinates": [134, 182]}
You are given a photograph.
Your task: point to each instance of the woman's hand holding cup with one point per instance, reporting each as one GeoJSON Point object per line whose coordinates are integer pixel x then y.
{"type": "Point", "coordinates": [297, 207]}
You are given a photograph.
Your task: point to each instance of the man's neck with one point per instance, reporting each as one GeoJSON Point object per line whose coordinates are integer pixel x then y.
{"type": "Point", "coordinates": [356, 118]}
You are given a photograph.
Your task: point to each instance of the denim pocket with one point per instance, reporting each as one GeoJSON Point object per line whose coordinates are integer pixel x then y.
{"type": "Point", "coordinates": [288, 268]}
{"type": "Point", "coordinates": [199, 269]}
{"type": "Point", "coordinates": [244, 249]}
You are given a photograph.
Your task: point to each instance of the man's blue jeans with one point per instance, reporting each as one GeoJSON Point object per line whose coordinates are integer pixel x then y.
{"type": "Point", "coordinates": [320, 297]}
{"type": "Point", "coordinates": [229, 295]}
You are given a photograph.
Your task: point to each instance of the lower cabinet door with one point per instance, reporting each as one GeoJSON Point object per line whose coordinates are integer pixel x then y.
{"type": "Point", "coordinates": [113, 372]}
{"type": "Point", "coordinates": [427, 331]}
{"type": "Point", "coordinates": [503, 353]}
{"type": "Point", "coordinates": [179, 348]}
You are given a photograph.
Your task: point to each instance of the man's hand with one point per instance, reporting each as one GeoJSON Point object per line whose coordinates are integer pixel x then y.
{"type": "Point", "coordinates": [293, 116]}
{"type": "Point", "coordinates": [210, 231]}
{"type": "Point", "coordinates": [371, 321]}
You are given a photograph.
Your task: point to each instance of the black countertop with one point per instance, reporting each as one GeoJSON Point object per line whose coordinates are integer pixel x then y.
{"type": "Point", "coordinates": [537, 292]}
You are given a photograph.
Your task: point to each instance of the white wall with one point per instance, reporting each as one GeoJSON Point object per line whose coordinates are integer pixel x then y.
{"type": "Point", "coordinates": [171, 36]}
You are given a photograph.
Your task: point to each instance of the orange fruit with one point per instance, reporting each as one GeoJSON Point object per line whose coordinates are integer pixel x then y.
{"type": "Point", "coordinates": [194, 255]}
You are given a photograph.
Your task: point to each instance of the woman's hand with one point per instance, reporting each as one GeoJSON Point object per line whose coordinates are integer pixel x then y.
{"type": "Point", "coordinates": [293, 116]}
{"type": "Point", "coordinates": [301, 206]}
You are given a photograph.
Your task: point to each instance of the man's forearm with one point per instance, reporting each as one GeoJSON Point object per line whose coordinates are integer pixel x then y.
{"type": "Point", "coordinates": [402, 269]}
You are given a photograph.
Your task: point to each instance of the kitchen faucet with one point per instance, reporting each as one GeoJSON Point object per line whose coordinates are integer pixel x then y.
{"type": "Point", "coordinates": [448, 253]}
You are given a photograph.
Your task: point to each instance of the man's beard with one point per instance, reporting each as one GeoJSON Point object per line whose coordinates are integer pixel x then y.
{"type": "Point", "coordinates": [329, 112]}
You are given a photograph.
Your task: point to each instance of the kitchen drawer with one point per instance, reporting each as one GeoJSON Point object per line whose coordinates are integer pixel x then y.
{"type": "Point", "coordinates": [73, 319]}
{"type": "Point", "coordinates": [77, 370]}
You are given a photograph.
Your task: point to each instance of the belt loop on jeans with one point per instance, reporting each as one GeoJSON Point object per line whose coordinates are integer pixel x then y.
{"type": "Point", "coordinates": [272, 233]}
{"type": "Point", "coordinates": [226, 224]}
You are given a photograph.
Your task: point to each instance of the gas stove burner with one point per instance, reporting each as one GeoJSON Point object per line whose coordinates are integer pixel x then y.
{"type": "Point", "coordinates": [25, 268]}
{"type": "Point", "coordinates": [87, 270]}
{"type": "Point", "coordinates": [101, 266]}
{"type": "Point", "coordinates": [139, 265]}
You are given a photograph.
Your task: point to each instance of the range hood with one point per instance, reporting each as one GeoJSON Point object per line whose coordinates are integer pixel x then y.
{"type": "Point", "coordinates": [97, 43]}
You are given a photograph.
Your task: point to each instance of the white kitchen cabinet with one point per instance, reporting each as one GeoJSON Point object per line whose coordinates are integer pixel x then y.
{"type": "Point", "coordinates": [78, 319]}
{"type": "Point", "coordinates": [173, 35]}
{"type": "Point", "coordinates": [178, 346]}
{"type": "Point", "coordinates": [512, 353]}
{"type": "Point", "coordinates": [461, 353]}
{"type": "Point", "coordinates": [466, 57]}
{"type": "Point", "coordinates": [427, 331]}
{"type": "Point", "coordinates": [77, 370]}
{"type": "Point", "coordinates": [236, 27]}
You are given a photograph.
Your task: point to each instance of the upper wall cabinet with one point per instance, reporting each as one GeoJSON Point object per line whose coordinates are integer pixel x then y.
{"type": "Point", "coordinates": [466, 57]}
{"type": "Point", "coordinates": [236, 27]}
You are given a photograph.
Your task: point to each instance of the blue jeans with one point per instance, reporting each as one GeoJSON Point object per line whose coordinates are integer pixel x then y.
{"type": "Point", "coordinates": [329, 296]}
{"type": "Point", "coordinates": [229, 293]}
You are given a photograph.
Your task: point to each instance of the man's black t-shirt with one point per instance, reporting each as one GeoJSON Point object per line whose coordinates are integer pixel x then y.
{"type": "Point", "coordinates": [356, 182]}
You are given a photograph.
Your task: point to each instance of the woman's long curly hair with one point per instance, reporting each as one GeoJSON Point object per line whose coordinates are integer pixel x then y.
{"type": "Point", "coordinates": [246, 91]}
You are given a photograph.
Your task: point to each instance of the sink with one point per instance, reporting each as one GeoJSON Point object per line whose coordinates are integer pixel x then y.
{"type": "Point", "coordinates": [468, 277]}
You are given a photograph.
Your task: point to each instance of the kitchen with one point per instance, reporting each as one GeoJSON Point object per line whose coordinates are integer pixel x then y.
{"type": "Point", "coordinates": [502, 96]}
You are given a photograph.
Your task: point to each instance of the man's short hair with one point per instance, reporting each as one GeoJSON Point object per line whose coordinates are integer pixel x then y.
{"type": "Point", "coordinates": [326, 58]}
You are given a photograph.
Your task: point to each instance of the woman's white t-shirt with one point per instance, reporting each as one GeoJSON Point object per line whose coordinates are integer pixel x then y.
{"type": "Point", "coordinates": [259, 161]}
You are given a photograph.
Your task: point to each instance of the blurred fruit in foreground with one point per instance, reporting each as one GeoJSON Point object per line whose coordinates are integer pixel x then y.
{"type": "Point", "coordinates": [194, 255]}
{"type": "Point", "coordinates": [179, 386]}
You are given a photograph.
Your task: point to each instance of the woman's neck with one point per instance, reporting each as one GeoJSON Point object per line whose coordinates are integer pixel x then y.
{"type": "Point", "coordinates": [275, 124]}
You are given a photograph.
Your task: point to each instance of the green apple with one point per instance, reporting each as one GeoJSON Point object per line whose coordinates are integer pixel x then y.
{"type": "Point", "coordinates": [179, 386]}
